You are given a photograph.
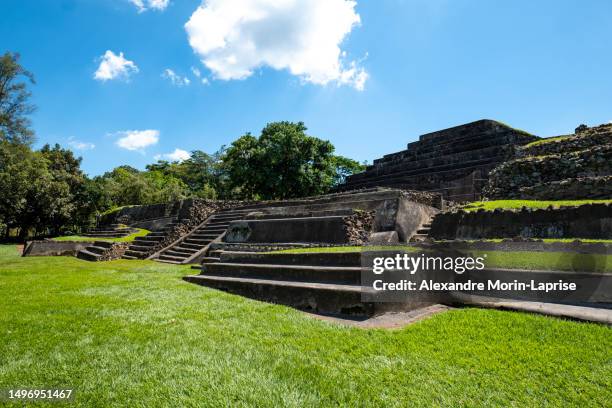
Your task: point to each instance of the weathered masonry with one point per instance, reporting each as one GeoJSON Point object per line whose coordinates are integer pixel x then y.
{"type": "Point", "coordinates": [454, 162]}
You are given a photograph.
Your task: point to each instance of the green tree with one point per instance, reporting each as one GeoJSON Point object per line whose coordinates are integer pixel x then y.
{"type": "Point", "coordinates": [201, 173]}
{"type": "Point", "coordinates": [14, 106]}
{"type": "Point", "coordinates": [66, 168]}
{"type": "Point", "coordinates": [284, 162]}
{"type": "Point", "coordinates": [125, 185]}
{"type": "Point", "coordinates": [31, 198]}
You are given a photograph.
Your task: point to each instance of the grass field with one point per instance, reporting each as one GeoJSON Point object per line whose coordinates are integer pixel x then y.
{"type": "Point", "coordinates": [518, 204]}
{"type": "Point", "coordinates": [128, 238]}
{"type": "Point", "coordinates": [132, 333]}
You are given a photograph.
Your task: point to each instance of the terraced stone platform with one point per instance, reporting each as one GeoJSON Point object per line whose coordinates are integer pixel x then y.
{"type": "Point", "coordinates": [324, 283]}
{"type": "Point", "coordinates": [454, 162]}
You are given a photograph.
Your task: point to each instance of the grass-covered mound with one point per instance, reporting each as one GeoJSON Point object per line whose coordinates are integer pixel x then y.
{"type": "Point", "coordinates": [132, 333]}
{"type": "Point", "coordinates": [518, 204]}
{"type": "Point", "coordinates": [128, 238]}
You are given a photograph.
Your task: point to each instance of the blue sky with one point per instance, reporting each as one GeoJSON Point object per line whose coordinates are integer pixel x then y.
{"type": "Point", "coordinates": [370, 77]}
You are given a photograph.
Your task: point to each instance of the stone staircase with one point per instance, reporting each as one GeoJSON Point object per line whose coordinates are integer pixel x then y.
{"type": "Point", "coordinates": [141, 246]}
{"type": "Point", "coordinates": [423, 232]}
{"type": "Point", "coordinates": [110, 231]}
{"type": "Point", "coordinates": [325, 283]}
{"type": "Point", "coordinates": [95, 251]}
{"type": "Point", "coordinates": [192, 247]}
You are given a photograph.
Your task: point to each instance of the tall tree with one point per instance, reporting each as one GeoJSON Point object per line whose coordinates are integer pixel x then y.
{"type": "Point", "coordinates": [14, 96]}
{"type": "Point", "coordinates": [284, 162]}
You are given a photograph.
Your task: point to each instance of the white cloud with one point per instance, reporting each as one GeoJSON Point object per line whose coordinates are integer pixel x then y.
{"type": "Point", "coordinates": [233, 38]}
{"type": "Point", "coordinates": [78, 145]}
{"type": "Point", "coordinates": [178, 155]}
{"type": "Point", "coordinates": [196, 71]}
{"type": "Point", "coordinates": [114, 66]}
{"type": "Point", "coordinates": [175, 78]}
{"type": "Point", "coordinates": [144, 5]}
{"type": "Point", "coordinates": [205, 81]}
{"type": "Point", "coordinates": [137, 139]}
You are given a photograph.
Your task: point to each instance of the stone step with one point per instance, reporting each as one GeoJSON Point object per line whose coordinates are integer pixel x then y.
{"type": "Point", "coordinates": [179, 248]}
{"type": "Point", "coordinates": [417, 182]}
{"type": "Point", "coordinates": [197, 246]}
{"type": "Point", "coordinates": [211, 230]}
{"type": "Point", "coordinates": [104, 235]}
{"type": "Point", "coordinates": [224, 217]}
{"type": "Point", "coordinates": [140, 248]}
{"type": "Point", "coordinates": [130, 257]}
{"type": "Point", "coordinates": [320, 213]}
{"type": "Point", "coordinates": [103, 244]}
{"type": "Point", "coordinates": [474, 144]}
{"type": "Point", "coordinates": [335, 200]}
{"type": "Point", "coordinates": [353, 259]}
{"type": "Point", "coordinates": [197, 241]}
{"type": "Point", "coordinates": [171, 258]}
{"type": "Point", "coordinates": [221, 226]}
{"type": "Point", "coordinates": [143, 245]}
{"type": "Point", "coordinates": [423, 231]}
{"type": "Point", "coordinates": [215, 252]}
{"type": "Point", "coordinates": [378, 176]}
{"type": "Point", "coordinates": [210, 259]}
{"type": "Point", "coordinates": [324, 298]}
{"type": "Point", "coordinates": [86, 255]}
{"type": "Point", "coordinates": [96, 249]}
{"type": "Point", "coordinates": [445, 160]}
{"type": "Point", "coordinates": [346, 275]}
{"type": "Point", "coordinates": [178, 254]}
{"type": "Point", "coordinates": [135, 254]}
{"type": "Point", "coordinates": [205, 236]}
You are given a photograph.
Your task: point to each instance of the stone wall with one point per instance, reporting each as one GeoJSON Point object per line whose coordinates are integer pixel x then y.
{"type": "Point", "coordinates": [53, 248]}
{"type": "Point", "coordinates": [587, 221]}
{"type": "Point", "coordinates": [578, 166]}
{"type": "Point", "coordinates": [138, 213]}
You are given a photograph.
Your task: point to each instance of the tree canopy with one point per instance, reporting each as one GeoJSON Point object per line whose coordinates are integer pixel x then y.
{"type": "Point", "coordinates": [283, 162]}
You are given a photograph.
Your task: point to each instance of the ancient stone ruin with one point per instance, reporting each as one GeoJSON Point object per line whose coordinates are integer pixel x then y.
{"type": "Point", "coordinates": [574, 166]}
{"type": "Point", "coordinates": [454, 162]}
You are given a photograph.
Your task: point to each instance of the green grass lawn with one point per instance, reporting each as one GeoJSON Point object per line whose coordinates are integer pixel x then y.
{"type": "Point", "coordinates": [518, 204]}
{"type": "Point", "coordinates": [132, 333]}
{"type": "Point", "coordinates": [128, 238]}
